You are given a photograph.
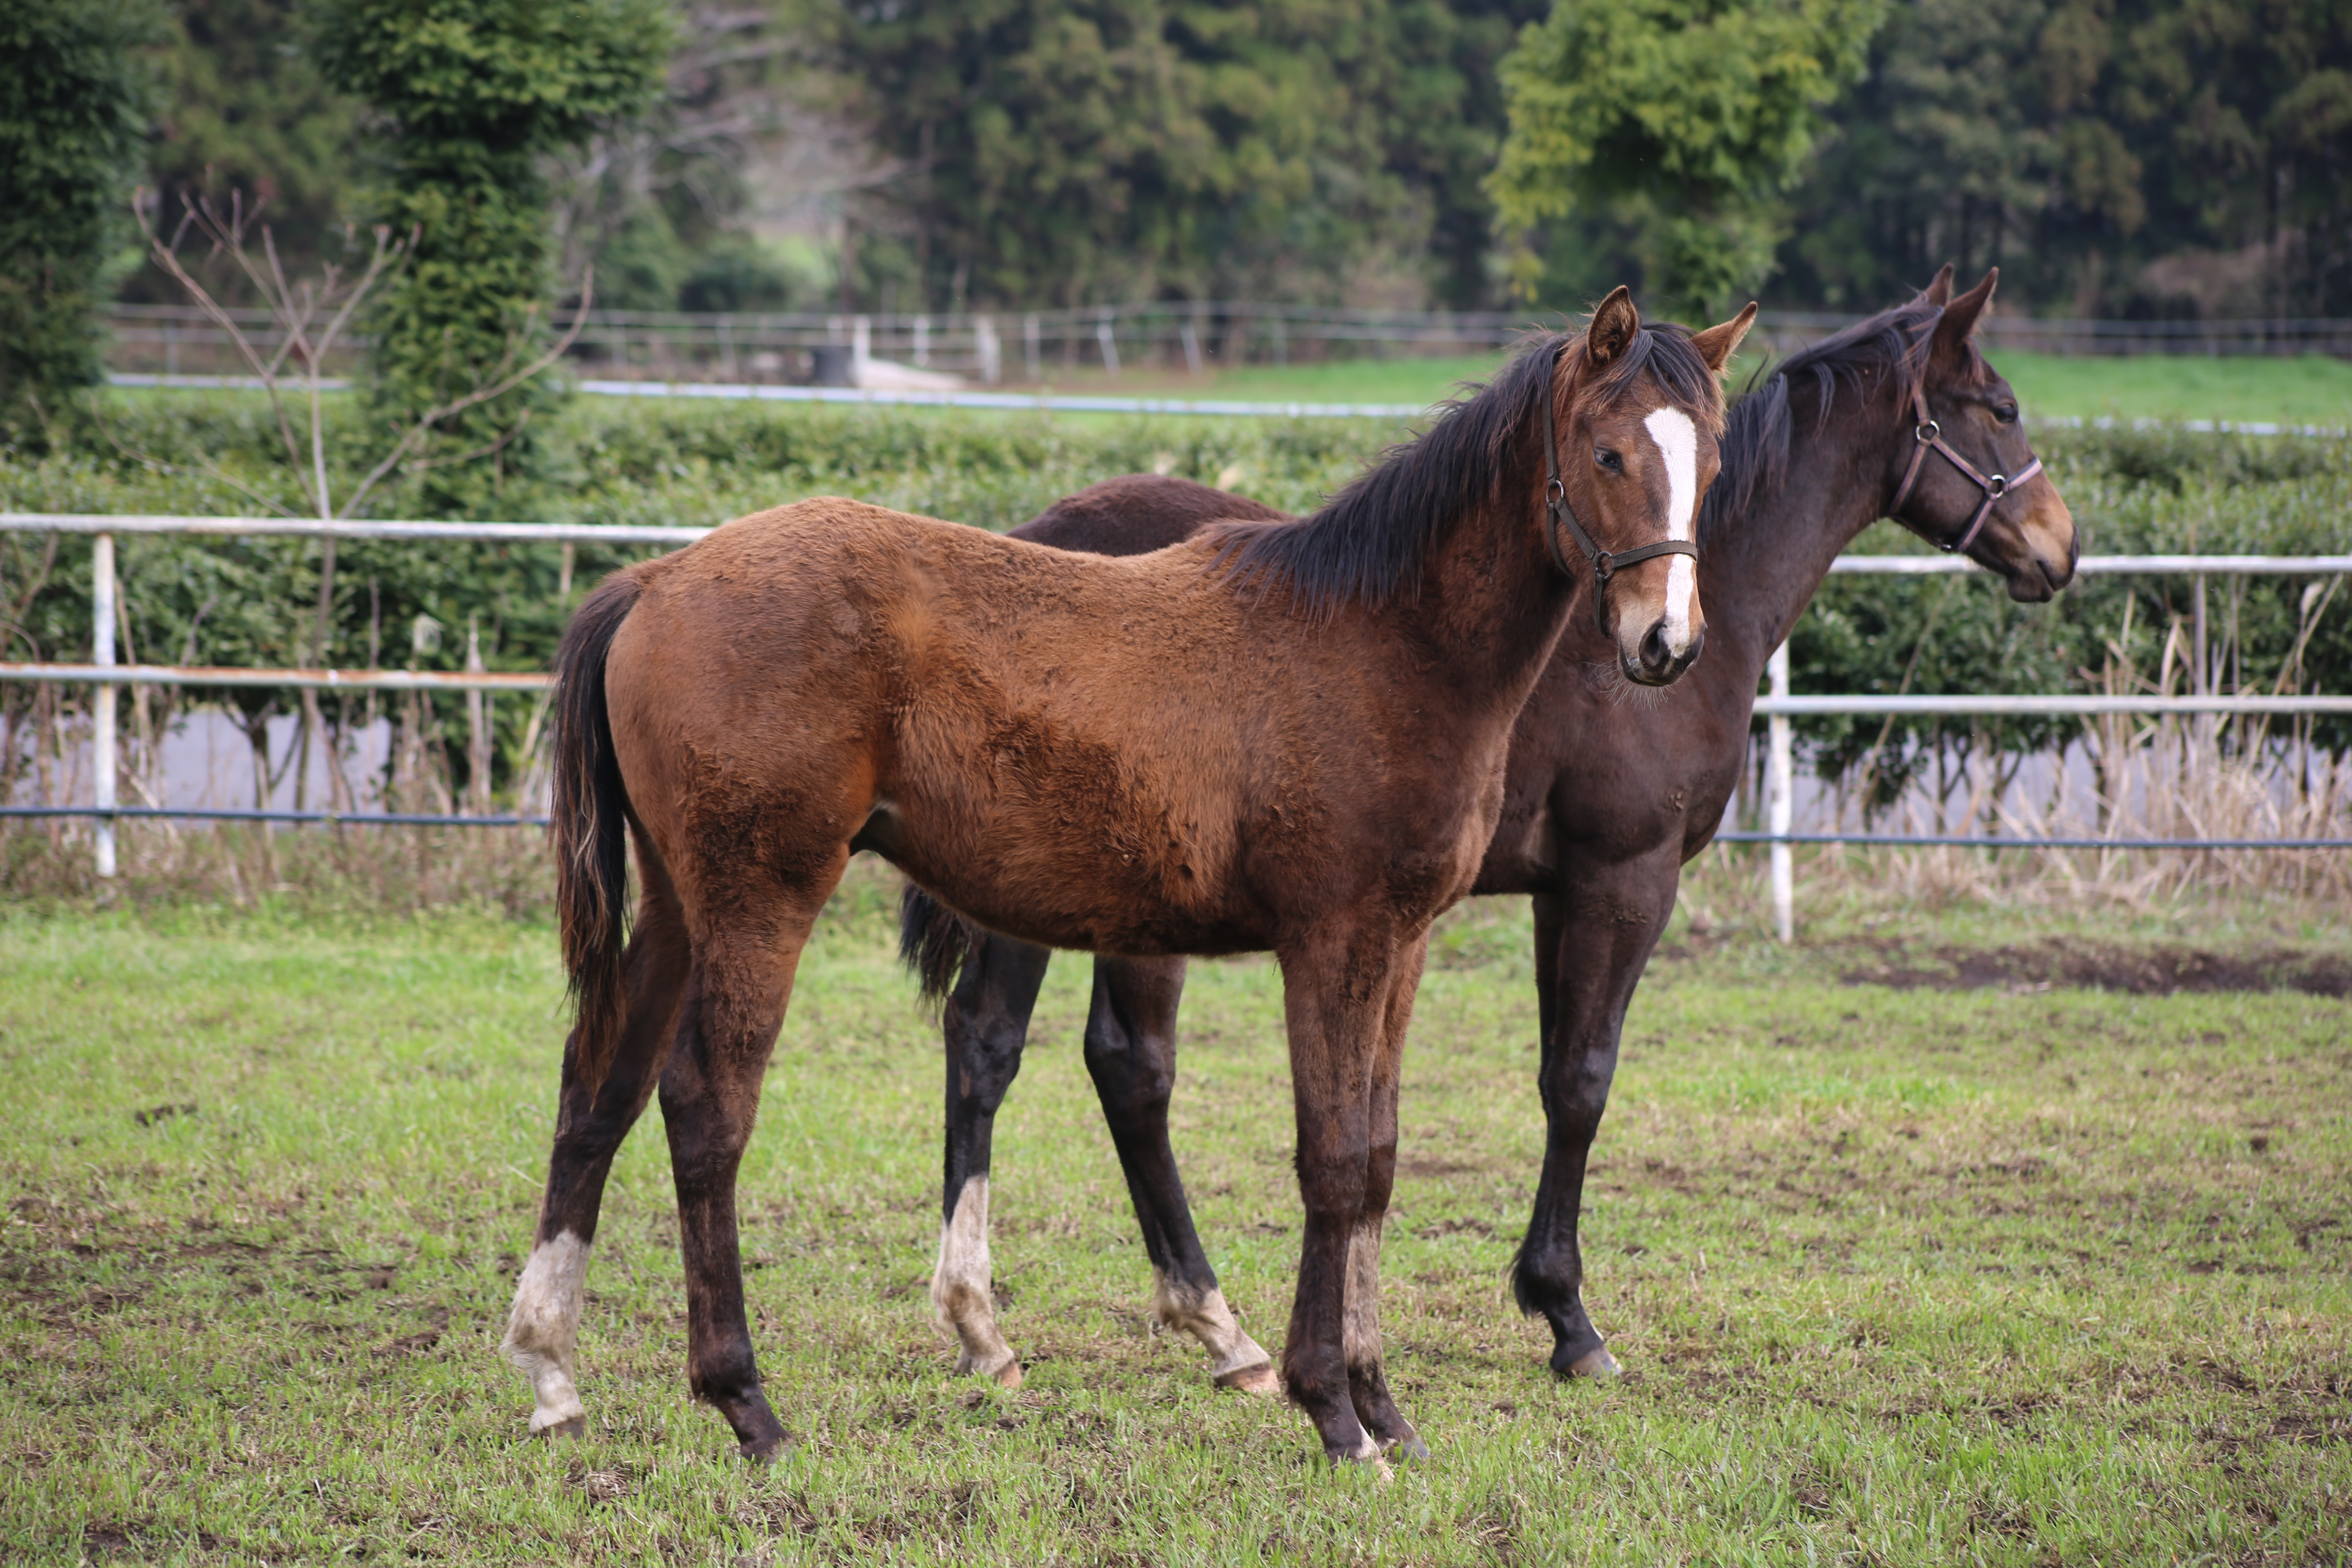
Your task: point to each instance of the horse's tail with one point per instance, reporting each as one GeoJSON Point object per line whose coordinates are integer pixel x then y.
{"type": "Point", "coordinates": [934, 941]}
{"type": "Point", "coordinates": [591, 831]}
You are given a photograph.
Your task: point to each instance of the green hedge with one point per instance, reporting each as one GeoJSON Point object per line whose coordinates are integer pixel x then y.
{"type": "Point", "coordinates": [249, 601]}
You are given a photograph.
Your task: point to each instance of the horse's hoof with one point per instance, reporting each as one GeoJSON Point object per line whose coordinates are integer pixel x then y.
{"type": "Point", "coordinates": [1009, 1375]}
{"type": "Point", "coordinates": [763, 1450]}
{"type": "Point", "coordinates": [1259, 1379]}
{"type": "Point", "coordinates": [1408, 1447]}
{"type": "Point", "coordinates": [1596, 1363]}
{"type": "Point", "coordinates": [1365, 1456]}
{"type": "Point", "coordinates": [557, 1431]}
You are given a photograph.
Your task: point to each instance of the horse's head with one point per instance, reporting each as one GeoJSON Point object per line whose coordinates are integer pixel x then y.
{"type": "Point", "coordinates": [1967, 478]}
{"type": "Point", "coordinates": [1636, 413]}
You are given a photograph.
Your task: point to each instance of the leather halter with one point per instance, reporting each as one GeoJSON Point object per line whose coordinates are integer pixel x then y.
{"type": "Point", "coordinates": [1605, 562]}
{"type": "Point", "coordinates": [1927, 434]}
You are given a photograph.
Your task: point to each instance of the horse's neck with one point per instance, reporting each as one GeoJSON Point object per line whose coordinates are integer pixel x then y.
{"type": "Point", "coordinates": [1772, 560]}
{"type": "Point", "coordinates": [1492, 603]}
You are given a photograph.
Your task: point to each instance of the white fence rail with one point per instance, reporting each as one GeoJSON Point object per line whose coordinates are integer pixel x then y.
{"type": "Point", "coordinates": [827, 347]}
{"type": "Point", "coordinates": [1778, 706]}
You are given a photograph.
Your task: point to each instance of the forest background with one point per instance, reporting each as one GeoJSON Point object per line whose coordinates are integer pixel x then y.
{"type": "Point", "coordinates": [2116, 158]}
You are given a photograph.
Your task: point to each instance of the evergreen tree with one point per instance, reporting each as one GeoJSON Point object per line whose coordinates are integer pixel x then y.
{"type": "Point", "coordinates": [472, 94]}
{"type": "Point", "coordinates": [2145, 157]}
{"type": "Point", "coordinates": [243, 110]}
{"type": "Point", "coordinates": [74, 108]}
{"type": "Point", "coordinates": [1077, 151]}
{"type": "Point", "coordinates": [1687, 120]}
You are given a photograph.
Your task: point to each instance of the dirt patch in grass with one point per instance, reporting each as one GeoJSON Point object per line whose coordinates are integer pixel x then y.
{"type": "Point", "coordinates": [2140, 972]}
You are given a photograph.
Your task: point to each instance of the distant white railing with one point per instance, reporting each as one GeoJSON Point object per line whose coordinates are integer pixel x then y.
{"type": "Point", "coordinates": [990, 346]}
{"type": "Point", "coordinates": [1777, 707]}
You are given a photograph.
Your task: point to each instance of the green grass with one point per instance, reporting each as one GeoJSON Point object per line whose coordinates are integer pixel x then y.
{"type": "Point", "coordinates": [1901, 1277]}
{"type": "Point", "coordinates": [2311, 389]}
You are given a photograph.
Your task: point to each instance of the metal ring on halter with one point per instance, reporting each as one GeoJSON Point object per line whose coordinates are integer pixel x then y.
{"type": "Point", "coordinates": [1926, 431]}
{"type": "Point", "coordinates": [1996, 484]}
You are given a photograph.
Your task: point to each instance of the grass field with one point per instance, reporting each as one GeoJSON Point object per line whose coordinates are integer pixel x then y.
{"type": "Point", "coordinates": [2311, 389]}
{"type": "Point", "coordinates": [1903, 1273]}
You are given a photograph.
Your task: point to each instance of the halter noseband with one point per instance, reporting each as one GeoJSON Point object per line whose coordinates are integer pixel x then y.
{"type": "Point", "coordinates": [1927, 434]}
{"type": "Point", "coordinates": [1605, 562]}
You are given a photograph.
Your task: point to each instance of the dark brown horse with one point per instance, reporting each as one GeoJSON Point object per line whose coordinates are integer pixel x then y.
{"type": "Point", "coordinates": [1604, 803]}
{"type": "Point", "coordinates": [1287, 738]}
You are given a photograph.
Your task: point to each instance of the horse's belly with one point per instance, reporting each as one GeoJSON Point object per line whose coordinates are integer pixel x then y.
{"type": "Point", "coordinates": [1102, 874]}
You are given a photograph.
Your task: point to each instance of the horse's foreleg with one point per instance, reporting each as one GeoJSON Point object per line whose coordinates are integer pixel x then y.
{"type": "Point", "coordinates": [1368, 1385]}
{"type": "Point", "coordinates": [1336, 998]}
{"type": "Point", "coordinates": [1599, 932]}
{"type": "Point", "coordinates": [1131, 1056]}
{"type": "Point", "coordinates": [544, 1327]}
{"type": "Point", "coordinates": [986, 1023]}
{"type": "Point", "coordinates": [709, 1095]}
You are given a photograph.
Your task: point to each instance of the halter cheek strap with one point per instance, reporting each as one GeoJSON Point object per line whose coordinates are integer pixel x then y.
{"type": "Point", "coordinates": [1926, 434]}
{"type": "Point", "coordinates": [1556, 512]}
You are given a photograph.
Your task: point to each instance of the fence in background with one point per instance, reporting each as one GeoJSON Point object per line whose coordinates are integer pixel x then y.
{"type": "Point", "coordinates": [1038, 347]}
{"type": "Point", "coordinates": [1777, 706]}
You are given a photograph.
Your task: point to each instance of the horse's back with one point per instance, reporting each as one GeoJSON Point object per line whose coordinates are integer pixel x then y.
{"type": "Point", "coordinates": [1136, 514]}
{"type": "Point", "coordinates": [959, 698]}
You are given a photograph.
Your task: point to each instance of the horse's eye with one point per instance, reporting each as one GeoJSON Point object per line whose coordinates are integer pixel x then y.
{"type": "Point", "coordinates": [2006, 412]}
{"type": "Point", "coordinates": [1608, 459]}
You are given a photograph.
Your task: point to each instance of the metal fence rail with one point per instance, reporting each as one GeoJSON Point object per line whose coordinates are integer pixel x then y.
{"type": "Point", "coordinates": [1778, 707]}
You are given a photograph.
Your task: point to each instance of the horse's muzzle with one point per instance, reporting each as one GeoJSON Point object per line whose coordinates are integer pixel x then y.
{"type": "Point", "coordinates": [1655, 663]}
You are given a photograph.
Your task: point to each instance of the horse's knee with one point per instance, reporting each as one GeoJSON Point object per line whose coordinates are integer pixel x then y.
{"type": "Point", "coordinates": [1128, 1070]}
{"type": "Point", "coordinates": [984, 1048]}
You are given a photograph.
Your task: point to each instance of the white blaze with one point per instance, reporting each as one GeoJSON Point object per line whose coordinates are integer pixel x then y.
{"type": "Point", "coordinates": [1677, 440]}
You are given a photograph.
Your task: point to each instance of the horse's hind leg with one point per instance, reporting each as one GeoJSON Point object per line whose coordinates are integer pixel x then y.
{"type": "Point", "coordinates": [543, 1328]}
{"type": "Point", "coordinates": [986, 1023]}
{"type": "Point", "coordinates": [741, 980]}
{"type": "Point", "coordinates": [1131, 1055]}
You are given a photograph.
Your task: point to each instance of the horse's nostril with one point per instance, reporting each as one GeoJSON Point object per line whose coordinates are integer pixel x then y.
{"type": "Point", "coordinates": [1654, 653]}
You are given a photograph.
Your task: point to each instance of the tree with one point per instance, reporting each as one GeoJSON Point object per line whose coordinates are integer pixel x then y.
{"type": "Point", "coordinates": [242, 111]}
{"type": "Point", "coordinates": [1086, 150]}
{"type": "Point", "coordinates": [73, 105]}
{"type": "Point", "coordinates": [2134, 158]}
{"type": "Point", "coordinates": [472, 96]}
{"type": "Point", "coordinates": [1690, 118]}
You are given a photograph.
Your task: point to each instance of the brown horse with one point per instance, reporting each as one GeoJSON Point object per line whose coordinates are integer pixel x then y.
{"type": "Point", "coordinates": [1604, 802]}
{"type": "Point", "coordinates": [1287, 738]}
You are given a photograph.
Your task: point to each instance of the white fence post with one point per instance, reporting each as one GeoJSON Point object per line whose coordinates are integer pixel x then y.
{"type": "Point", "coordinates": [861, 349]}
{"type": "Point", "coordinates": [102, 697]}
{"type": "Point", "coordinates": [1779, 793]}
{"type": "Point", "coordinates": [1031, 347]}
{"type": "Point", "coordinates": [991, 353]}
{"type": "Point", "coordinates": [1109, 344]}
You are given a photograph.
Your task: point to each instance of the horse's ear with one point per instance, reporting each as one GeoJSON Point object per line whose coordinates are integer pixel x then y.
{"type": "Point", "coordinates": [1614, 323]}
{"type": "Point", "coordinates": [1939, 293]}
{"type": "Point", "coordinates": [1719, 343]}
{"type": "Point", "coordinates": [1961, 315]}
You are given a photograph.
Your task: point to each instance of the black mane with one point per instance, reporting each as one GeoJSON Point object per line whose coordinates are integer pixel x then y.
{"type": "Point", "coordinates": [1755, 445]}
{"type": "Point", "coordinates": [1369, 541]}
